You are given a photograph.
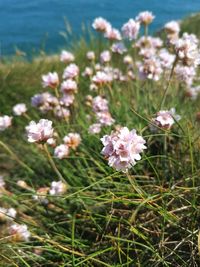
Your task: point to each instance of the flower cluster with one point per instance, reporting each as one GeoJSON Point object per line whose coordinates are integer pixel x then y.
{"type": "Point", "coordinates": [122, 148]}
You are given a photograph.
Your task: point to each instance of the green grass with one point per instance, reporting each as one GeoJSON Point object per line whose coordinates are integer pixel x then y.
{"type": "Point", "coordinates": [104, 219]}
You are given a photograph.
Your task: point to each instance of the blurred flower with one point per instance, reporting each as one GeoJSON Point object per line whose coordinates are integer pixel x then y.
{"type": "Point", "coordinates": [172, 27]}
{"type": "Point", "coordinates": [50, 80]}
{"type": "Point", "coordinates": [118, 48]}
{"type": "Point", "coordinates": [19, 232]}
{"type": "Point", "coordinates": [7, 214]}
{"type": "Point", "coordinates": [72, 140]}
{"type": "Point", "coordinates": [57, 188]}
{"type": "Point", "coordinates": [95, 128]}
{"type": "Point", "coordinates": [5, 122]}
{"type": "Point", "coordinates": [66, 56]}
{"type": "Point", "coordinates": [112, 34]}
{"type": "Point", "coordinates": [145, 17]}
{"type": "Point", "coordinates": [19, 109]}
{"type": "Point", "coordinates": [69, 86]}
{"type": "Point", "coordinates": [105, 56]}
{"type": "Point", "coordinates": [90, 55]}
{"type": "Point", "coordinates": [101, 24]}
{"type": "Point", "coordinates": [71, 71]}
{"type": "Point", "coordinates": [131, 29]}
{"type": "Point", "coordinates": [166, 118]}
{"type": "Point", "coordinates": [61, 151]}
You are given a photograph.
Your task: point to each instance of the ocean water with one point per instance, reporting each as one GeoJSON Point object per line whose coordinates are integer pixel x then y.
{"type": "Point", "coordinates": [33, 25]}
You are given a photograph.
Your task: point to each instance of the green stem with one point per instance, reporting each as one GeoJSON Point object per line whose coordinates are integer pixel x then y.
{"type": "Point", "coordinates": [52, 163]}
{"type": "Point", "coordinates": [168, 84]}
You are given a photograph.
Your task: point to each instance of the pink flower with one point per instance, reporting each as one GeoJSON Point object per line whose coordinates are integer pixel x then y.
{"type": "Point", "coordinates": [102, 78]}
{"type": "Point", "coordinates": [166, 118]}
{"type": "Point", "coordinates": [112, 34]}
{"type": "Point", "coordinates": [122, 148]}
{"type": "Point", "coordinates": [61, 151]}
{"type": "Point", "coordinates": [101, 24]}
{"type": "Point", "coordinates": [67, 100]}
{"type": "Point", "coordinates": [99, 104]}
{"type": "Point", "coordinates": [71, 71]}
{"type": "Point", "coordinates": [66, 57]}
{"type": "Point", "coordinates": [5, 122]}
{"type": "Point", "coordinates": [105, 56]}
{"type": "Point", "coordinates": [150, 69]}
{"type": "Point", "coordinates": [61, 112]}
{"type": "Point", "coordinates": [105, 118]}
{"type": "Point", "coordinates": [69, 86]}
{"type": "Point", "coordinates": [131, 29]}
{"type": "Point", "coordinates": [95, 128]}
{"type": "Point", "coordinates": [145, 17]}
{"type": "Point", "coordinates": [19, 109]}
{"type": "Point", "coordinates": [39, 132]}
{"type": "Point", "coordinates": [87, 72]}
{"type": "Point", "coordinates": [50, 80]}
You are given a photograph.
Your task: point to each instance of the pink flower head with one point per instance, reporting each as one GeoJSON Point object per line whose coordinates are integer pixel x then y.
{"type": "Point", "coordinates": [19, 109]}
{"type": "Point", "coordinates": [102, 78]}
{"type": "Point", "coordinates": [99, 104]}
{"type": "Point", "coordinates": [69, 86]}
{"type": "Point", "coordinates": [122, 148]}
{"type": "Point", "coordinates": [62, 112]}
{"type": "Point", "coordinates": [145, 17]}
{"type": "Point", "coordinates": [95, 128]}
{"type": "Point", "coordinates": [67, 100]}
{"type": "Point", "coordinates": [87, 72]}
{"type": "Point", "coordinates": [105, 118]}
{"type": "Point", "coordinates": [72, 140]}
{"type": "Point", "coordinates": [131, 29]}
{"type": "Point", "coordinates": [39, 132]}
{"type": "Point", "coordinates": [150, 69]}
{"type": "Point", "coordinates": [71, 71]}
{"type": "Point", "coordinates": [101, 25]}
{"type": "Point", "coordinates": [166, 118]}
{"type": "Point", "coordinates": [105, 56]}
{"type": "Point", "coordinates": [66, 57]}
{"type": "Point", "coordinates": [5, 122]}
{"type": "Point", "coordinates": [61, 151]}
{"type": "Point", "coordinates": [50, 80]}
{"type": "Point", "coordinates": [112, 34]}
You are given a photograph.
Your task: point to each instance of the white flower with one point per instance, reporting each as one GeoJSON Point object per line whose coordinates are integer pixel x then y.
{"type": "Point", "coordinates": [172, 27]}
{"type": "Point", "coordinates": [57, 188]}
{"type": "Point", "coordinates": [122, 148]}
{"type": "Point", "coordinates": [166, 118]}
{"type": "Point", "coordinates": [19, 109]}
{"type": "Point", "coordinates": [5, 122]}
{"type": "Point", "coordinates": [7, 214]}
{"type": "Point", "coordinates": [61, 151]}
{"type": "Point", "coordinates": [39, 132]}
{"type": "Point", "coordinates": [19, 232]}
{"type": "Point", "coordinates": [90, 55]}
{"type": "Point", "coordinates": [112, 34]}
{"type": "Point", "coordinates": [66, 56]}
{"type": "Point", "coordinates": [50, 80]}
{"type": "Point", "coordinates": [105, 56]}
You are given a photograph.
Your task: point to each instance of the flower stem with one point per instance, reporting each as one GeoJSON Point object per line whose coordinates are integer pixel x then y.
{"type": "Point", "coordinates": [52, 163]}
{"type": "Point", "coordinates": [168, 84]}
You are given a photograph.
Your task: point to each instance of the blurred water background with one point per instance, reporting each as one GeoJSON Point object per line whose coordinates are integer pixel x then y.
{"type": "Point", "coordinates": [34, 25]}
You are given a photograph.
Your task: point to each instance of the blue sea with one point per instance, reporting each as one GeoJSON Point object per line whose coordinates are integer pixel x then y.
{"type": "Point", "coordinates": [31, 25]}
